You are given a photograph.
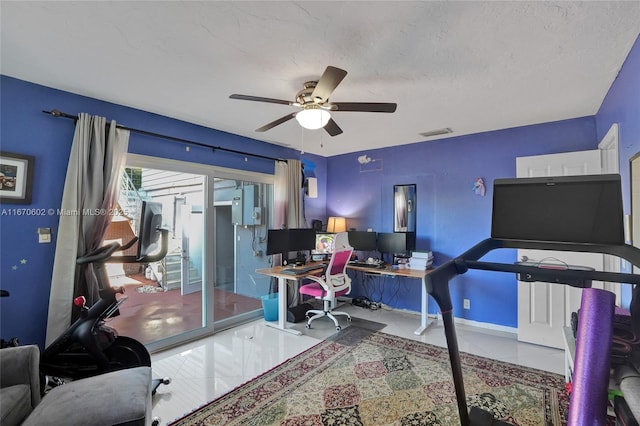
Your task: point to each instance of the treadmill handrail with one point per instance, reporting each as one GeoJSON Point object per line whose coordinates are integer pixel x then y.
{"type": "Point", "coordinates": [437, 284]}
{"type": "Point", "coordinates": [625, 251]}
{"type": "Point", "coordinates": [470, 259]}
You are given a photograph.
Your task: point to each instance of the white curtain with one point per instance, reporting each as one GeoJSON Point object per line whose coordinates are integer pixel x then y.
{"type": "Point", "coordinates": [89, 198]}
{"type": "Point", "coordinates": [288, 195]}
{"type": "Point", "coordinates": [280, 195]}
{"type": "Point", "coordinates": [287, 208]}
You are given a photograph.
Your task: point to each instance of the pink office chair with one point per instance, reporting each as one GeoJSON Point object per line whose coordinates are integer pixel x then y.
{"type": "Point", "coordinates": [334, 282]}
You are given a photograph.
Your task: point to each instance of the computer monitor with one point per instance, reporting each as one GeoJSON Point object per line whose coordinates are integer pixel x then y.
{"type": "Point", "coordinates": [149, 229]}
{"type": "Point", "coordinates": [325, 243]}
{"type": "Point", "coordinates": [302, 239]}
{"type": "Point", "coordinates": [287, 240]}
{"type": "Point", "coordinates": [277, 241]}
{"type": "Point", "coordinates": [571, 209]}
{"type": "Point", "coordinates": [363, 240]}
{"type": "Point", "coordinates": [394, 243]}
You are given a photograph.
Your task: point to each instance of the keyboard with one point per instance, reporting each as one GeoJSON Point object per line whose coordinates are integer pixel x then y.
{"type": "Point", "coordinates": [299, 270]}
{"type": "Point", "coordinates": [366, 265]}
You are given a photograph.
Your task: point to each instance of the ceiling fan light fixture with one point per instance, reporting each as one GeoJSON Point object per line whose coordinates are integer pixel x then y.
{"type": "Point", "coordinates": [313, 117]}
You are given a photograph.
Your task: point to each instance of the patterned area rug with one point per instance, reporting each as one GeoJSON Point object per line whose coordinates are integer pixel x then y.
{"type": "Point", "coordinates": [365, 377]}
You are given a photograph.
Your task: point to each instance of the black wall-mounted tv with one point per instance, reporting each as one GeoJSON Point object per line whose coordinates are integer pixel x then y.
{"type": "Point", "coordinates": [570, 209]}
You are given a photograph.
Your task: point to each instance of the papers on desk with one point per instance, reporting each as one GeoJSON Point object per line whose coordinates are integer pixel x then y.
{"type": "Point", "coordinates": [420, 260]}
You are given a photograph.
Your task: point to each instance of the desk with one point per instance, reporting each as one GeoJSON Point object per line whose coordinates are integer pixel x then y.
{"type": "Point", "coordinates": [410, 273]}
{"type": "Point", "coordinates": [276, 272]}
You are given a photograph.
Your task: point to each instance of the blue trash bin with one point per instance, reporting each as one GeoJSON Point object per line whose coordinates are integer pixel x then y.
{"type": "Point", "coordinates": [270, 306]}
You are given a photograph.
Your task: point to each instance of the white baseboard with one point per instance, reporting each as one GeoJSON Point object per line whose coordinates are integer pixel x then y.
{"type": "Point", "coordinates": [463, 321]}
{"type": "Point", "coordinates": [485, 325]}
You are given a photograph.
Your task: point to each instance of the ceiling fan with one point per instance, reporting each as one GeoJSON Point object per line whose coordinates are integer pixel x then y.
{"type": "Point", "coordinates": [316, 108]}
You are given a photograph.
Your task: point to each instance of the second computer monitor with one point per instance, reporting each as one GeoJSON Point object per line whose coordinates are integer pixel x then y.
{"type": "Point", "coordinates": [362, 240]}
{"type": "Point", "coordinates": [302, 239]}
{"type": "Point", "coordinates": [395, 242]}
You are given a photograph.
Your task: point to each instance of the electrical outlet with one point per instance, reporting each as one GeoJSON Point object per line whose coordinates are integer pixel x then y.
{"type": "Point", "coordinates": [466, 304]}
{"type": "Point", "coordinates": [257, 253]}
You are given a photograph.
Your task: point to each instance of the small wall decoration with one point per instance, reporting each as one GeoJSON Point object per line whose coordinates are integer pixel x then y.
{"type": "Point", "coordinates": [368, 164]}
{"type": "Point", "coordinates": [16, 178]}
{"type": "Point", "coordinates": [478, 187]}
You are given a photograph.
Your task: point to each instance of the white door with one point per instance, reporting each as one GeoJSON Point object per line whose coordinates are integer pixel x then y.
{"type": "Point", "coordinates": [543, 308]}
{"type": "Point", "coordinates": [608, 147]}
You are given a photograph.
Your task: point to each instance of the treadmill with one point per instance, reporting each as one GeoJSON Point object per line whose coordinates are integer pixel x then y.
{"type": "Point", "coordinates": [565, 213]}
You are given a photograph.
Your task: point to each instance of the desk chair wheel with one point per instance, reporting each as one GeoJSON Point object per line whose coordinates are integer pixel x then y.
{"type": "Point", "coordinates": [307, 326]}
{"type": "Point", "coordinates": [155, 421]}
{"type": "Point", "coordinates": [338, 328]}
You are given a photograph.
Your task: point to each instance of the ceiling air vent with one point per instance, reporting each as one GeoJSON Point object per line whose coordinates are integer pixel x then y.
{"type": "Point", "coordinates": [437, 132]}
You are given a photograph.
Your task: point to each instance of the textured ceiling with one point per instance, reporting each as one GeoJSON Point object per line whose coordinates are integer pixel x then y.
{"type": "Point", "coordinates": [471, 66]}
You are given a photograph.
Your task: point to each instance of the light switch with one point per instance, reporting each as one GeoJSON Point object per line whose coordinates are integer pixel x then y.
{"type": "Point", "coordinates": [44, 235]}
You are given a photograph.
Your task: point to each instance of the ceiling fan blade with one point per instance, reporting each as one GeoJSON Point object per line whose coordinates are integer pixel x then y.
{"type": "Point", "coordinates": [276, 122]}
{"type": "Point", "coordinates": [260, 99]}
{"type": "Point", "coordinates": [332, 128]}
{"type": "Point", "coordinates": [330, 79]}
{"type": "Point", "coordinates": [363, 106]}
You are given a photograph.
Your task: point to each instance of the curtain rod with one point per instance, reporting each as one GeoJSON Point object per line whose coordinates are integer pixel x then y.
{"type": "Point", "coordinates": [57, 113]}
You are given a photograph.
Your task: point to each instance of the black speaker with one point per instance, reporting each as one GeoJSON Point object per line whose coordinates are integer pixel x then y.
{"type": "Point", "coordinates": [316, 225]}
{"type": "Point", "coordinates": [298, 313]}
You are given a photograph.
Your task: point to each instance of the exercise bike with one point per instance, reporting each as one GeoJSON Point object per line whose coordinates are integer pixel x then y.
{"type": "Point", "coordinates": [89, 347]}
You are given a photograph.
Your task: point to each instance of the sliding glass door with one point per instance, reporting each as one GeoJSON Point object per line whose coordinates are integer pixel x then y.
{"type": "Point", "coordinates": [217, 221]}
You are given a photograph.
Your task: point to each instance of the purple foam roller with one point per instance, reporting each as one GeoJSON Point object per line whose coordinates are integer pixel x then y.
{"type": "Point", "coordinates": [590, 384]}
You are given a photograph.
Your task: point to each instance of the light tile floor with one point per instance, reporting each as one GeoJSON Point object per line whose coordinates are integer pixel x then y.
{"type": "Point", "coordinates": [206, 369]}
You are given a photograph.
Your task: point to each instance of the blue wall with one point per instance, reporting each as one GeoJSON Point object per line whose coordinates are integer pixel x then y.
{"type": "Point", "coordinates": [451, 218]}
{"type": "Point", "coordinates": [622, 106]}
{"type": "Point", "coordinates": [27, 130]}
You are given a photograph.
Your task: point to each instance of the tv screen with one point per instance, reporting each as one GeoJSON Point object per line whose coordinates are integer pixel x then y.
{"type": "Point", "coordinates": [363, 240]}
{"type": "Point", "coordinates": [393, 242]}
{"type": "Point", "coordinates": [325, 243]}
{"type": "Point", "coordinates": [149, 230]}
{"type": "Point", "coordinates": [572, 209]}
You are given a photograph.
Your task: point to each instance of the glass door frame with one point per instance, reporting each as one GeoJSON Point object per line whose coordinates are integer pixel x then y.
{"type": "Point", "coordinates": [210, 173]}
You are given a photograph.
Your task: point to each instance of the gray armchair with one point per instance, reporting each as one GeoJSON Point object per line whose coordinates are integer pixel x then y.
{"type": "Point", "coordinates": [120, 397]}
{"type": "Point", "coordinates": [19, 383]}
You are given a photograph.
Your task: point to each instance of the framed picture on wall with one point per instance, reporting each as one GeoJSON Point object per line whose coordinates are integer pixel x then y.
{"type": "Point", "coordinates": [16, 178]}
